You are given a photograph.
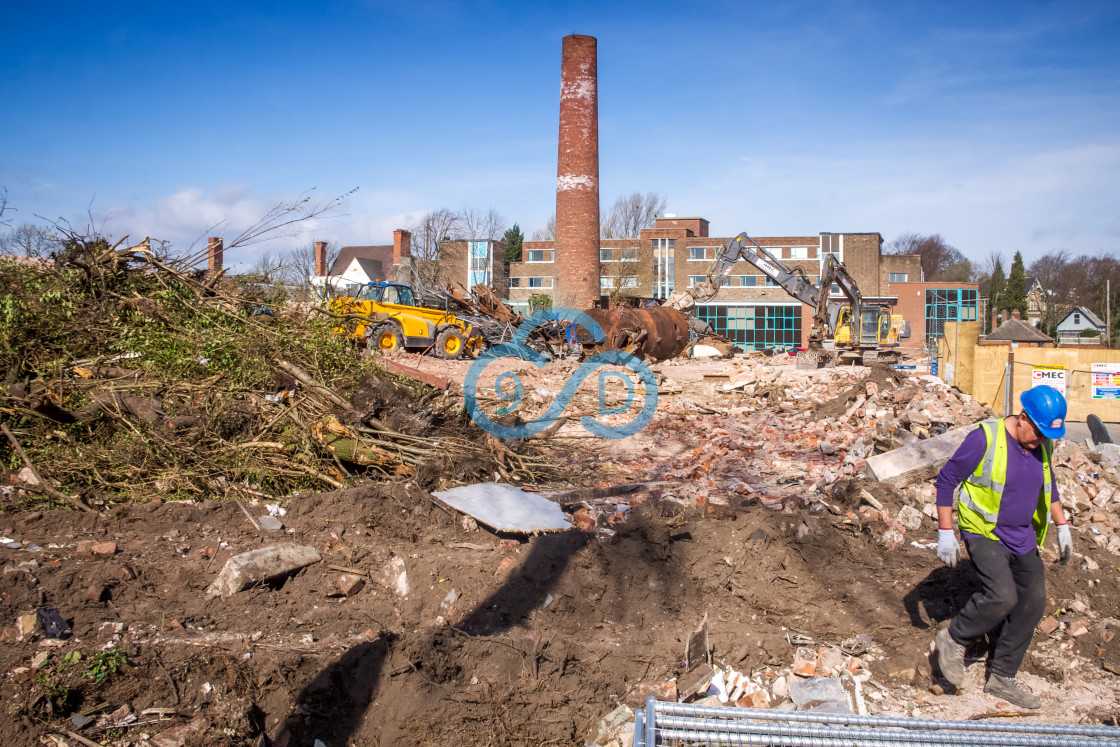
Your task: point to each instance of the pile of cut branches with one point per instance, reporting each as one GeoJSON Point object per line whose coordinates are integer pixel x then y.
{"type": "Point", "coordinates": [127, 378]}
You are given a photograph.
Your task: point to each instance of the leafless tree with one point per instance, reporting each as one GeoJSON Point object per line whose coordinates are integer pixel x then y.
{"type": "Point", "coordinates": [299, 263]}
{"type": "Point", "coordinates": [548, 233]}
{"type": "Point", "coordinates": [282, 220]}
{"type": "Point", "coordinates": [482, 224]}
{"type": "Point", "coordinates": [994, 259]}
{"type": "Point", "coordinates": [269, 267]}
{"type": "Point", "coordinates": [630, 214]}
{"type": "Point", "coordinates": [428, 235]}
{"type": "Point", "coordinates": [940, 260]}
{"type": "Point", "coordinates": [29, 240]}
{"type": "Point", "coordinates": [4, 207]}
{"type": "Point", "coordinates": [1052, 271]}
{"type": "Point", "coordinates": [626, 277]}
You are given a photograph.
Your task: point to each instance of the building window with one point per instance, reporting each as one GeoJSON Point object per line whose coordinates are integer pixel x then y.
{"type": "Point", "coordinates": [531, 282]}
{"type": "Point", "coordinates": [538, 255]}
{"type": "Point", "coordinates": [947, 305]}
{"type": "Point", "coordinates": [694, 280]}
{"type": "Point", "coordinates": [899, 277]}
{"type": "Point", "coordinates": [663, 268]}
{"type": "Point", "coordinates": [1077, 319]}
{"type": "Point", "coordinates": [480, 267]}
{"type": "Point", "coordinates": [618, 254]}
{"type": "Point", "coordinates": [699, 253]}
{"type": "Point", "coordinates": [754, 326]}
{"type": "Point", "coordinates": [610, 282]}
{"type": "Point", "coordinates": [799, 252]}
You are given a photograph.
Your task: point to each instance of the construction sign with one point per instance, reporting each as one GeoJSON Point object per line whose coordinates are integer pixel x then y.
{"type": "Point", "coordinates": [1054, 376]}
{"type": "Point", "coordinates": [1106, 380]}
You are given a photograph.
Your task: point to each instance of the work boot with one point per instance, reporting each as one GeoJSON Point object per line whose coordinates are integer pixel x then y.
{"type": "Point", "coordinates": [950, 657]}
{"type": "Point", "coordinates": [1008, 689]}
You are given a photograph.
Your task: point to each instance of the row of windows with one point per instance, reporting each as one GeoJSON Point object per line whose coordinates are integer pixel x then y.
{"type": "Point", "coordinates": [742, 281]}
{"type": "Point", "coordinates": [605, 283]}
{"type": "Point", "coordinates": [755, 326]}
{"type": "Point", "coordinates": [538, 255]}
{"type": "Point", "coordinates": [708, 253]}
{"type": "Point", "coordinates": [623, 281]}
{"type": "Point", "coordinates": [948, 305]}
{"type": "Point", "coordinates": [530, 282]}
{"type": "Point", "coordinates": [898, 277]}
{"type": "Point", "coordinates": [618, 254]}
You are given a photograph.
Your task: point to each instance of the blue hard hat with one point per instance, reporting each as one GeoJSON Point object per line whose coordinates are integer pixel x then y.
{"type": "Point", "coordinates": [1046, 406]}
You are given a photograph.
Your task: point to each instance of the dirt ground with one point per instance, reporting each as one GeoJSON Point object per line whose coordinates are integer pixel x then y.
{"type": "Point", "coordinates": [507, 640]}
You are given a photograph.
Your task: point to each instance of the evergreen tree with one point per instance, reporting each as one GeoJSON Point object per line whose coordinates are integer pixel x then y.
{"type": "Point", "coordinates": [512, 240]}
{"type": "Point", "coordinates": [996, 292]}
{"type": "Point", "coordinates": [1016, 287]}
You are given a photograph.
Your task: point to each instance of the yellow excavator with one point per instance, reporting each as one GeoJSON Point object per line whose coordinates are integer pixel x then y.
{"type": "Point", "coordinates": [879, 331]}
{"type": "Point", "coordinates": [390, 319]}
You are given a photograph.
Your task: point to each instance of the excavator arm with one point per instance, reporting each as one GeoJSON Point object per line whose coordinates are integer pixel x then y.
{"type": "Point", "coordinates": [791, 279]}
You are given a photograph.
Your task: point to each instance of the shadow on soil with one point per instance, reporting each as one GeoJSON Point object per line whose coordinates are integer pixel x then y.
{"type": "Point", "coordinates": [333, 705]}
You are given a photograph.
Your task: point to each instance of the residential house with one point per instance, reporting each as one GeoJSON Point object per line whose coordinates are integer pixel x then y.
{"type": "Point", "coordinates": [1077, 320]}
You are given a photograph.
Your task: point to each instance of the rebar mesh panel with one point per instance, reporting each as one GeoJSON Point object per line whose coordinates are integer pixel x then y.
{"type": "Point", "coordinates": [682, 725]}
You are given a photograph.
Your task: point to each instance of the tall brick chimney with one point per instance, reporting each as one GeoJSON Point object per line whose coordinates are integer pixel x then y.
{"type": "Point", "coordinates": [402, 245]}
{"type": "Point", "coordinates": [577, 176]}
{"type": "Point", "coordinates": [320, 259]}
{"type": "Point", "coordinates": [213, 254]}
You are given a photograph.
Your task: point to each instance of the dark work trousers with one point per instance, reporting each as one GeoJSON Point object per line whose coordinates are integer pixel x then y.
{"type": "Point", "coordinates": [1013, 595]}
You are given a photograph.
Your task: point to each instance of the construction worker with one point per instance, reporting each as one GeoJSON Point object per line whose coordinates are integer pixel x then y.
{"type": "Point", "coordinates": [1008, 489]}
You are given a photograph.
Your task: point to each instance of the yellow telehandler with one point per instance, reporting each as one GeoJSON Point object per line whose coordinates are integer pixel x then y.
{"type": "Point", "coordinates": [395, 321]}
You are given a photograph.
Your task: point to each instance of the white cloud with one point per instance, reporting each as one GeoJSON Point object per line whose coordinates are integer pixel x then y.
{"type": "Point", "coordinates": [186, 217]}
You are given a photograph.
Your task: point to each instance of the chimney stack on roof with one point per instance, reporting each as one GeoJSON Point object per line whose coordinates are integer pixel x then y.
{"type": "Point", "coordinates": [402, 245]}
{"type": "Point", "coordinates": [320, 259]}
{"type": "Point", "coordinates": [213, 255]}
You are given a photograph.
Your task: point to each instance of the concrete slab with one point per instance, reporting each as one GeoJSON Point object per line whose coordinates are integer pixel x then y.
{"type": "Point", "coordinates": [506, 508]}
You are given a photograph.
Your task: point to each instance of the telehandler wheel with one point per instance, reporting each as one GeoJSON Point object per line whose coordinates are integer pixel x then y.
{"type": "Point", "coordinates": [385, 336]}
{"type": "Point", "coordinates": [449, 344]}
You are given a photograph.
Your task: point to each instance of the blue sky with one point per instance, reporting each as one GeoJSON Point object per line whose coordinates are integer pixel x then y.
{"type": "Point", "coordinates": [996, 124]}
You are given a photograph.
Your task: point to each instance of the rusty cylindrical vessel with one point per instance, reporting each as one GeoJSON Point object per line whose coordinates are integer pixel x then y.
{"type": "Point", "coordinates": [657, 332]}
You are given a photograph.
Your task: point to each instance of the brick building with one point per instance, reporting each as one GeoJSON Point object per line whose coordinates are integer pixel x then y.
{"type": "Point", "coordinates": [465, 264]}
{"type": "Point", "coordinates": [750, 307]}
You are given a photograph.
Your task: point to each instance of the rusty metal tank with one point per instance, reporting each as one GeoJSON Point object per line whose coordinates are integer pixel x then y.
{"type": "Point", "coordinates": [656, 332]}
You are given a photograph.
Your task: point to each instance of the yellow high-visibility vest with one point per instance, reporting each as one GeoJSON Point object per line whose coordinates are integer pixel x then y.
{"type": "Point", "coordinates": [982, 492]}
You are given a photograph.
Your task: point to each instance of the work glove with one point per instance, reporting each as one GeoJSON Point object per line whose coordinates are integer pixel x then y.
{"type": "Point", "coordinates": [1065, 543]}
{"type": "Point", "coordinates": [948, 548]}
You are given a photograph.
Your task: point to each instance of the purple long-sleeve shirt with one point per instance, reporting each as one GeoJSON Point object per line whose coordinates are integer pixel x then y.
{"type": "Point", "coordinates": [1020, 493]}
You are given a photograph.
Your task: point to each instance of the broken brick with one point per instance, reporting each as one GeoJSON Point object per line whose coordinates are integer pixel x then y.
{"type": "Point", "coordinates": [719, 511]}
{"type": "Point", "coordinates": [665, 692]}
{"type": "Point", "coordinates": [104, 548]}
{"type": "Point", "coordinates": [506, 565]}
{"type": "Point", "coordinates": [506, 547]}
{"type": "Point", "coordinates": [350, 584]}
{"type": "Point", "coordinates": [757, 699]}
{"type": "Point", "coordinates": [1048, 625]}
{"type": "Point", "coordinates": [1078, 628]}
{"type": "Point", "coordinates": [583, 520]}
{"type": "Point", "coordinates": [84, 549]}
{"type": "Point", "coordinates": [892, 539]}
{"type": "Point", "coordinates": [804, 663]}
{"type": "Point", "coordinates": [830, 660]}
